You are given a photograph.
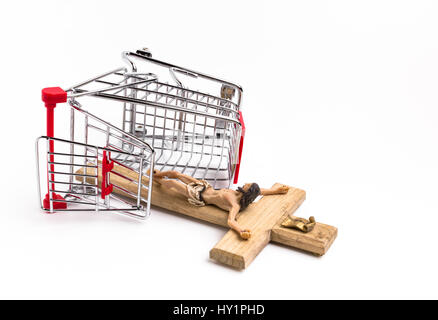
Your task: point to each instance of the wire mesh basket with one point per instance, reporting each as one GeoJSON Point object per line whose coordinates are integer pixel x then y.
{"type": "Point", "coordinates": [138, 121]}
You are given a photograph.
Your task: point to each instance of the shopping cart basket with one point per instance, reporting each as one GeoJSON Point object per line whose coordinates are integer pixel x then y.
{"type": "Point", "coordinates": [138, 121]}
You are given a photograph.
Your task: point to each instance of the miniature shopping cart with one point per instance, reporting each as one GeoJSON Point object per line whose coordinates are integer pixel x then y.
{"type": "Point", "coordinates": [137, 121]}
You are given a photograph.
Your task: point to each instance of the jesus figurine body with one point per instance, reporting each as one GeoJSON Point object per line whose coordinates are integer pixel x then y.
{"type": "Point", "coordinates": [201, 193]}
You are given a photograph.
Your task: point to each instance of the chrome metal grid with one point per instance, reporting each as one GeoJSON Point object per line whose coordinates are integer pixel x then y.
{"type": "Point", "coordinates": [190, 130]}
{"type": "Point", "coordinates": [143, 122]}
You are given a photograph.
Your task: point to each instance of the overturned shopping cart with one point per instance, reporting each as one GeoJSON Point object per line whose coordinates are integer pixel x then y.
{"type": "Point", "coordinates": [137, 120]}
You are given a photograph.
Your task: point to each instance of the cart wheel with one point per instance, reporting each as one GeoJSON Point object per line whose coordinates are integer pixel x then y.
{"type": "Point", "coordinates": [227, 92]}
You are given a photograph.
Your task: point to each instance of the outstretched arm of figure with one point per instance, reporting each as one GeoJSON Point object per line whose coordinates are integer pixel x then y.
{"type": "Point", "coordinates": [175, 175]}
{"type": "Point", "coordinates": [274, 190]}
{"type": "Point", "coordinates": [185, 178]}
{"type": "Point", "coordinates": [232, 223]}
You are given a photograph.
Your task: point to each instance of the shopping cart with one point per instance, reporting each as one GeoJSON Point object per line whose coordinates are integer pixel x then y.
{"type": "Point", "coordinates": [138, 121]}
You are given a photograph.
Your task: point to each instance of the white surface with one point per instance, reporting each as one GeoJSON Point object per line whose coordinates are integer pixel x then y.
{"type": "Point", "coordinates": [340, 99]}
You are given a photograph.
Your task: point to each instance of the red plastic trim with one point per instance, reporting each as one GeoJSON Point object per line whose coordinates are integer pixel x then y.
{"type": "Point", "coordinates": [52, 96]}
{"type": "Point", "coordinates": [242, 136]}
{"type": "Point", "coordinates": [107, 166]}
{"type": "Point", "coordinates": [56, 205]}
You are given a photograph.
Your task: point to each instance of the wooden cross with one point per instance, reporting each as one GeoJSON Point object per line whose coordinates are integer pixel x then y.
{"type": "Point", "coordinates": [263, 218]}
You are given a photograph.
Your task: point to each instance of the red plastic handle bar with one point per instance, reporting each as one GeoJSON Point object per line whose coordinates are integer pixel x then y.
{"type": "Point", "coordinates": [50, 97]}
{"type": "Point", "coordinates": [242, 136]}
{"type": "Point", "coordinates": [107, 166]}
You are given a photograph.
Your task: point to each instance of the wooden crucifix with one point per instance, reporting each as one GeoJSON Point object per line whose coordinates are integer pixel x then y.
{"type": "Point", "coordinates": [263, 218]}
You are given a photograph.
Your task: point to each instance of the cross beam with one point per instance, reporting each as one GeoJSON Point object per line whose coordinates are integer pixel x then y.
{"type": "Point", "coordinates": [263, 218]}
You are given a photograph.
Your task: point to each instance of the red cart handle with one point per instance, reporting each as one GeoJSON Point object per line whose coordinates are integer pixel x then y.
{"type": "Point", "coordinates": [50, 97]}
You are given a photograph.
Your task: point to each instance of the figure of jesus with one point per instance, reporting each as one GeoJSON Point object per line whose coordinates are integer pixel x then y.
{"type": "Point", "coordinates": [201, 193]}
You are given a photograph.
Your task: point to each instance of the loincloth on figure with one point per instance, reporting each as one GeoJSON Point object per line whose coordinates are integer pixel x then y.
{"type": "Point", "coordinates": [195, 190]}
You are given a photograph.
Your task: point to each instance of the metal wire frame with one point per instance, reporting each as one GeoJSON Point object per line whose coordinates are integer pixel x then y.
{"type": "Point", "coordinates": [191, 131]}
{"type": "Point", "coordinates": [121, 79]}
{"type": "Point", "coordinates": [177, 69]}
{"type": "Point", "coordinates": [170, 126]}
{"type": "Point", "coordinates": [82, 188]}
{"type": "Point", "coordinates": [206, 146]}
{"type": "Point", "coordinates": [127, 151]}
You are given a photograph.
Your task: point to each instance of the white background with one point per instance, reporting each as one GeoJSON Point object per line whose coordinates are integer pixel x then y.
{"type": "Point", "coordinates": [340, 99]}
